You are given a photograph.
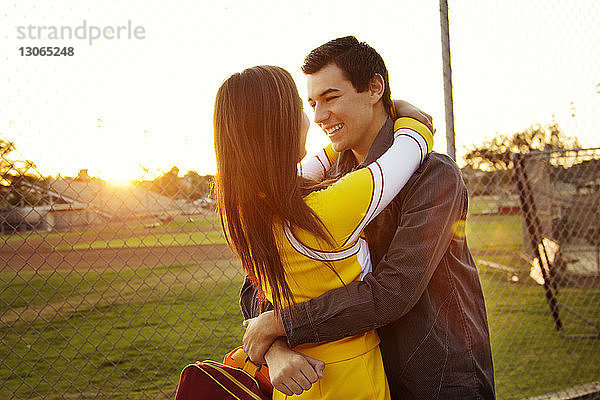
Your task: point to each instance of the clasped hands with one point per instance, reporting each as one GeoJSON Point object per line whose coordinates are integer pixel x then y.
{"type": "Point", "coordinates": [290, 372]}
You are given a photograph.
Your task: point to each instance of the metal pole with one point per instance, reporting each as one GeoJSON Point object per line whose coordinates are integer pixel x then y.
{"type": "Point", "coordinates": [450, 147]}
{"type": "Point", "coordinates": [534, 229]}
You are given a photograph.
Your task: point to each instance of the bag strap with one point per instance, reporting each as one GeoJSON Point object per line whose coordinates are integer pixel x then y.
{"type": "Point", "coordinates": [223, 371]}
{"type": "Point", "coordinates": [251, 367]}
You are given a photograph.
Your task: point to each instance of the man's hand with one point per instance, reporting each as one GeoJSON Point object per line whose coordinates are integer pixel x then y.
{"type": "Point", "coordinates": [260, 334]}
{"type": "Point", "coordinates": [405, 109]}
{"type": "Point", "coordinates": [291, 372]}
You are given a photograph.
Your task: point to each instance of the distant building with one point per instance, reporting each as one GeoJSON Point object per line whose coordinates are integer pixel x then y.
{"type": "Point", "coordinates": [72, 202]}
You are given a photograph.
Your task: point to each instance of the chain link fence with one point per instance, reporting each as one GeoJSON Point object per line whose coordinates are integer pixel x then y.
{"type": "Point", "coordinates": [108, 291]}
{"type": "Point", "coordinates": [559, 194]}
{"type": "Point", "coordinates": [529, 156]}
{"type": "Point", "coordinates": [535, 239]}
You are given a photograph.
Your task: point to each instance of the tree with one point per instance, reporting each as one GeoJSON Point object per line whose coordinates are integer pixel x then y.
{"type": "Point", "coordinates": [17, 179]}
{"type": "Point", "coordinates": [496, 154]}
{"type": "Point", "coordinates": [483, 183]}
{"type": "Point", "coordinates": [6, 164]}
{"type": "Point", "coordinates": [197, 186]}
{"type": "Point", "coordinates": [168, 184]}
{"type": "Point", "coordinates": [191, 186]}
{"type": "Point", "coordinates": [83, 176]}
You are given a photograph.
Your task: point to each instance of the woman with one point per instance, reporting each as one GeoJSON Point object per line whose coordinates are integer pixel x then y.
{"type": "Point", "coordinates": [297, 238]}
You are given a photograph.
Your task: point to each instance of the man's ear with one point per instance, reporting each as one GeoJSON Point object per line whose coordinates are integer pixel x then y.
{"type": "Point", "coordinates": [376, 87]}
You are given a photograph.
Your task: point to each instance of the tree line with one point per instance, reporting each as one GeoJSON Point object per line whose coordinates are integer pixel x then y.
{"type": "Point", "coordinates": [488, 169]}
{"type": "Point", "coordinates": [489, 166]}
{"type": "Point", "coordinates": [22, 184]}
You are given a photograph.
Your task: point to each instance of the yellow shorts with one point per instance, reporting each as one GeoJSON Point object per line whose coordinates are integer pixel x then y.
{"type": "Point", "coordinates": [361, 378]}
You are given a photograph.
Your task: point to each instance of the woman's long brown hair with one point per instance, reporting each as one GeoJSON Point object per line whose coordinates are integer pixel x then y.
{"type": "Point", "coordinates": [257, 124]}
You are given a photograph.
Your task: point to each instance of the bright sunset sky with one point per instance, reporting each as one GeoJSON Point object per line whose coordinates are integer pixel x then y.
{"type": "Point", "coordinates": [119, 106]}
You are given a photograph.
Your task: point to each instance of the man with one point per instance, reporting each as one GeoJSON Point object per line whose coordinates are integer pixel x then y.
{"type": "Point", "coordinates": [423, 296]}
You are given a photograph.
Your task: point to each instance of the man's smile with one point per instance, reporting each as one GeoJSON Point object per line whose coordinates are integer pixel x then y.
{"type": "Point", "coordinates": [331, 130]}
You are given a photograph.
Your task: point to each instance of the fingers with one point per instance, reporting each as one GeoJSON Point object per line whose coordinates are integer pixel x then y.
{"type": "Point", "coordinates": [294, 375]}
{"type": "Point", "coordinates": [317, 366]}
{"type": "Point", "coordinates": [302, 381]}
{"type": "Point", "coordinates": [310, 374]}
{"type": "Point", "coordinates": [429, 117]}
{"type": "Point", "coordinates": [304, 375]}
{"type": "Point", "coordinates": [429, 120]}
{"type": "Point", "coordinates": [405, 109]}
{"type": "Point", "coordinates": [253, 343]}
{"type": "Point", "coordinates": [290, 386]}
{"type": "Point", "coordinates": [424, 118]}
{"type": "Point", "coordinates": [287, 384]}
{"type": "Point", "coordinates": [258, 336]}
{"type": "Point", "coordinates": [283, 389]}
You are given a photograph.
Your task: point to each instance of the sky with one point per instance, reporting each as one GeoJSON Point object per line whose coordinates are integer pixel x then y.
{"type": "Point", "coordinates": [133, 107]}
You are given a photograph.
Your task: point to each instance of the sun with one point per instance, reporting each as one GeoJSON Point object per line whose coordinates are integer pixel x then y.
{"type": "Point", "coordinates": [120, 182]}
{"type": "Point", "coordinates": [117, 174]}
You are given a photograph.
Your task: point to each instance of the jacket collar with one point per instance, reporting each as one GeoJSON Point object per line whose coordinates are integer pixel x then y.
{"type": "Point", "coordinates": [382, 142]}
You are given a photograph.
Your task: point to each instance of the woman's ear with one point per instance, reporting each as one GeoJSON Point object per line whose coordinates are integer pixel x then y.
{"type": "Point", "coordinates": [376, 87]}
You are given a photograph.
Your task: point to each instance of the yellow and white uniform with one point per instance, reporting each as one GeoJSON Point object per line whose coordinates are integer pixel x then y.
{"type": "Point", "coordinates": [354, 369]}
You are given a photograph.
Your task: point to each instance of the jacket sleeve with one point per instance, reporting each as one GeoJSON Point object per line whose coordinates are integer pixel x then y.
{"type": "Point", "coordinates": [249, 303]}
{"type": "Point", "coordinates": [433, 206]}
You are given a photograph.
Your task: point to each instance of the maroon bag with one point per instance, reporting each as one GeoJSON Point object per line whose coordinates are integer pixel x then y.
{"type": "Point", "coordinates": [209, 380]}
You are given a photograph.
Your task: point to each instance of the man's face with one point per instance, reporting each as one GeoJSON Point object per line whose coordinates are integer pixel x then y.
{"type": "Point", "coordinates": [344, 114]}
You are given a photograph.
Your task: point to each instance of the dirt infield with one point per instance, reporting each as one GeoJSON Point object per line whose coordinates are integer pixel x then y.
{"type": "Point", "coordinates": [34, 250]}
{"type": "Point", "coordinates": [41, 255]}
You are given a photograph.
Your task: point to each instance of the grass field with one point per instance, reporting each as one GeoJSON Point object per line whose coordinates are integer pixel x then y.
{"type": "Point", "coordinates": [114, 332]}
{"type": "Point", "coordinates": [162, 239]}
{"type": "Point", "coordinates": [530, 357]}
{"type": "Point", "coordinates": [126, 332]}
{"type": "Point", "coordinates": [192, 231]}
{"type": "Point", "coordinates": [497, 238]}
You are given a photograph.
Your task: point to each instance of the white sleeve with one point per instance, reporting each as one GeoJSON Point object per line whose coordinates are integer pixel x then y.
{"type": "Point", "coordinates": [391, 171]}
{"type": "Point", "coordinates": [315, 167]}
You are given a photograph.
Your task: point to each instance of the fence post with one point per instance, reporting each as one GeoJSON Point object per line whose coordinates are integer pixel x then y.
{"type": "Point", "coordinates": [447, 68]}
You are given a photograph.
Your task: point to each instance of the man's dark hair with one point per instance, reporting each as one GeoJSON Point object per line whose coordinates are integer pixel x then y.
{"type": "Point", "coordinates": [359, 61]}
